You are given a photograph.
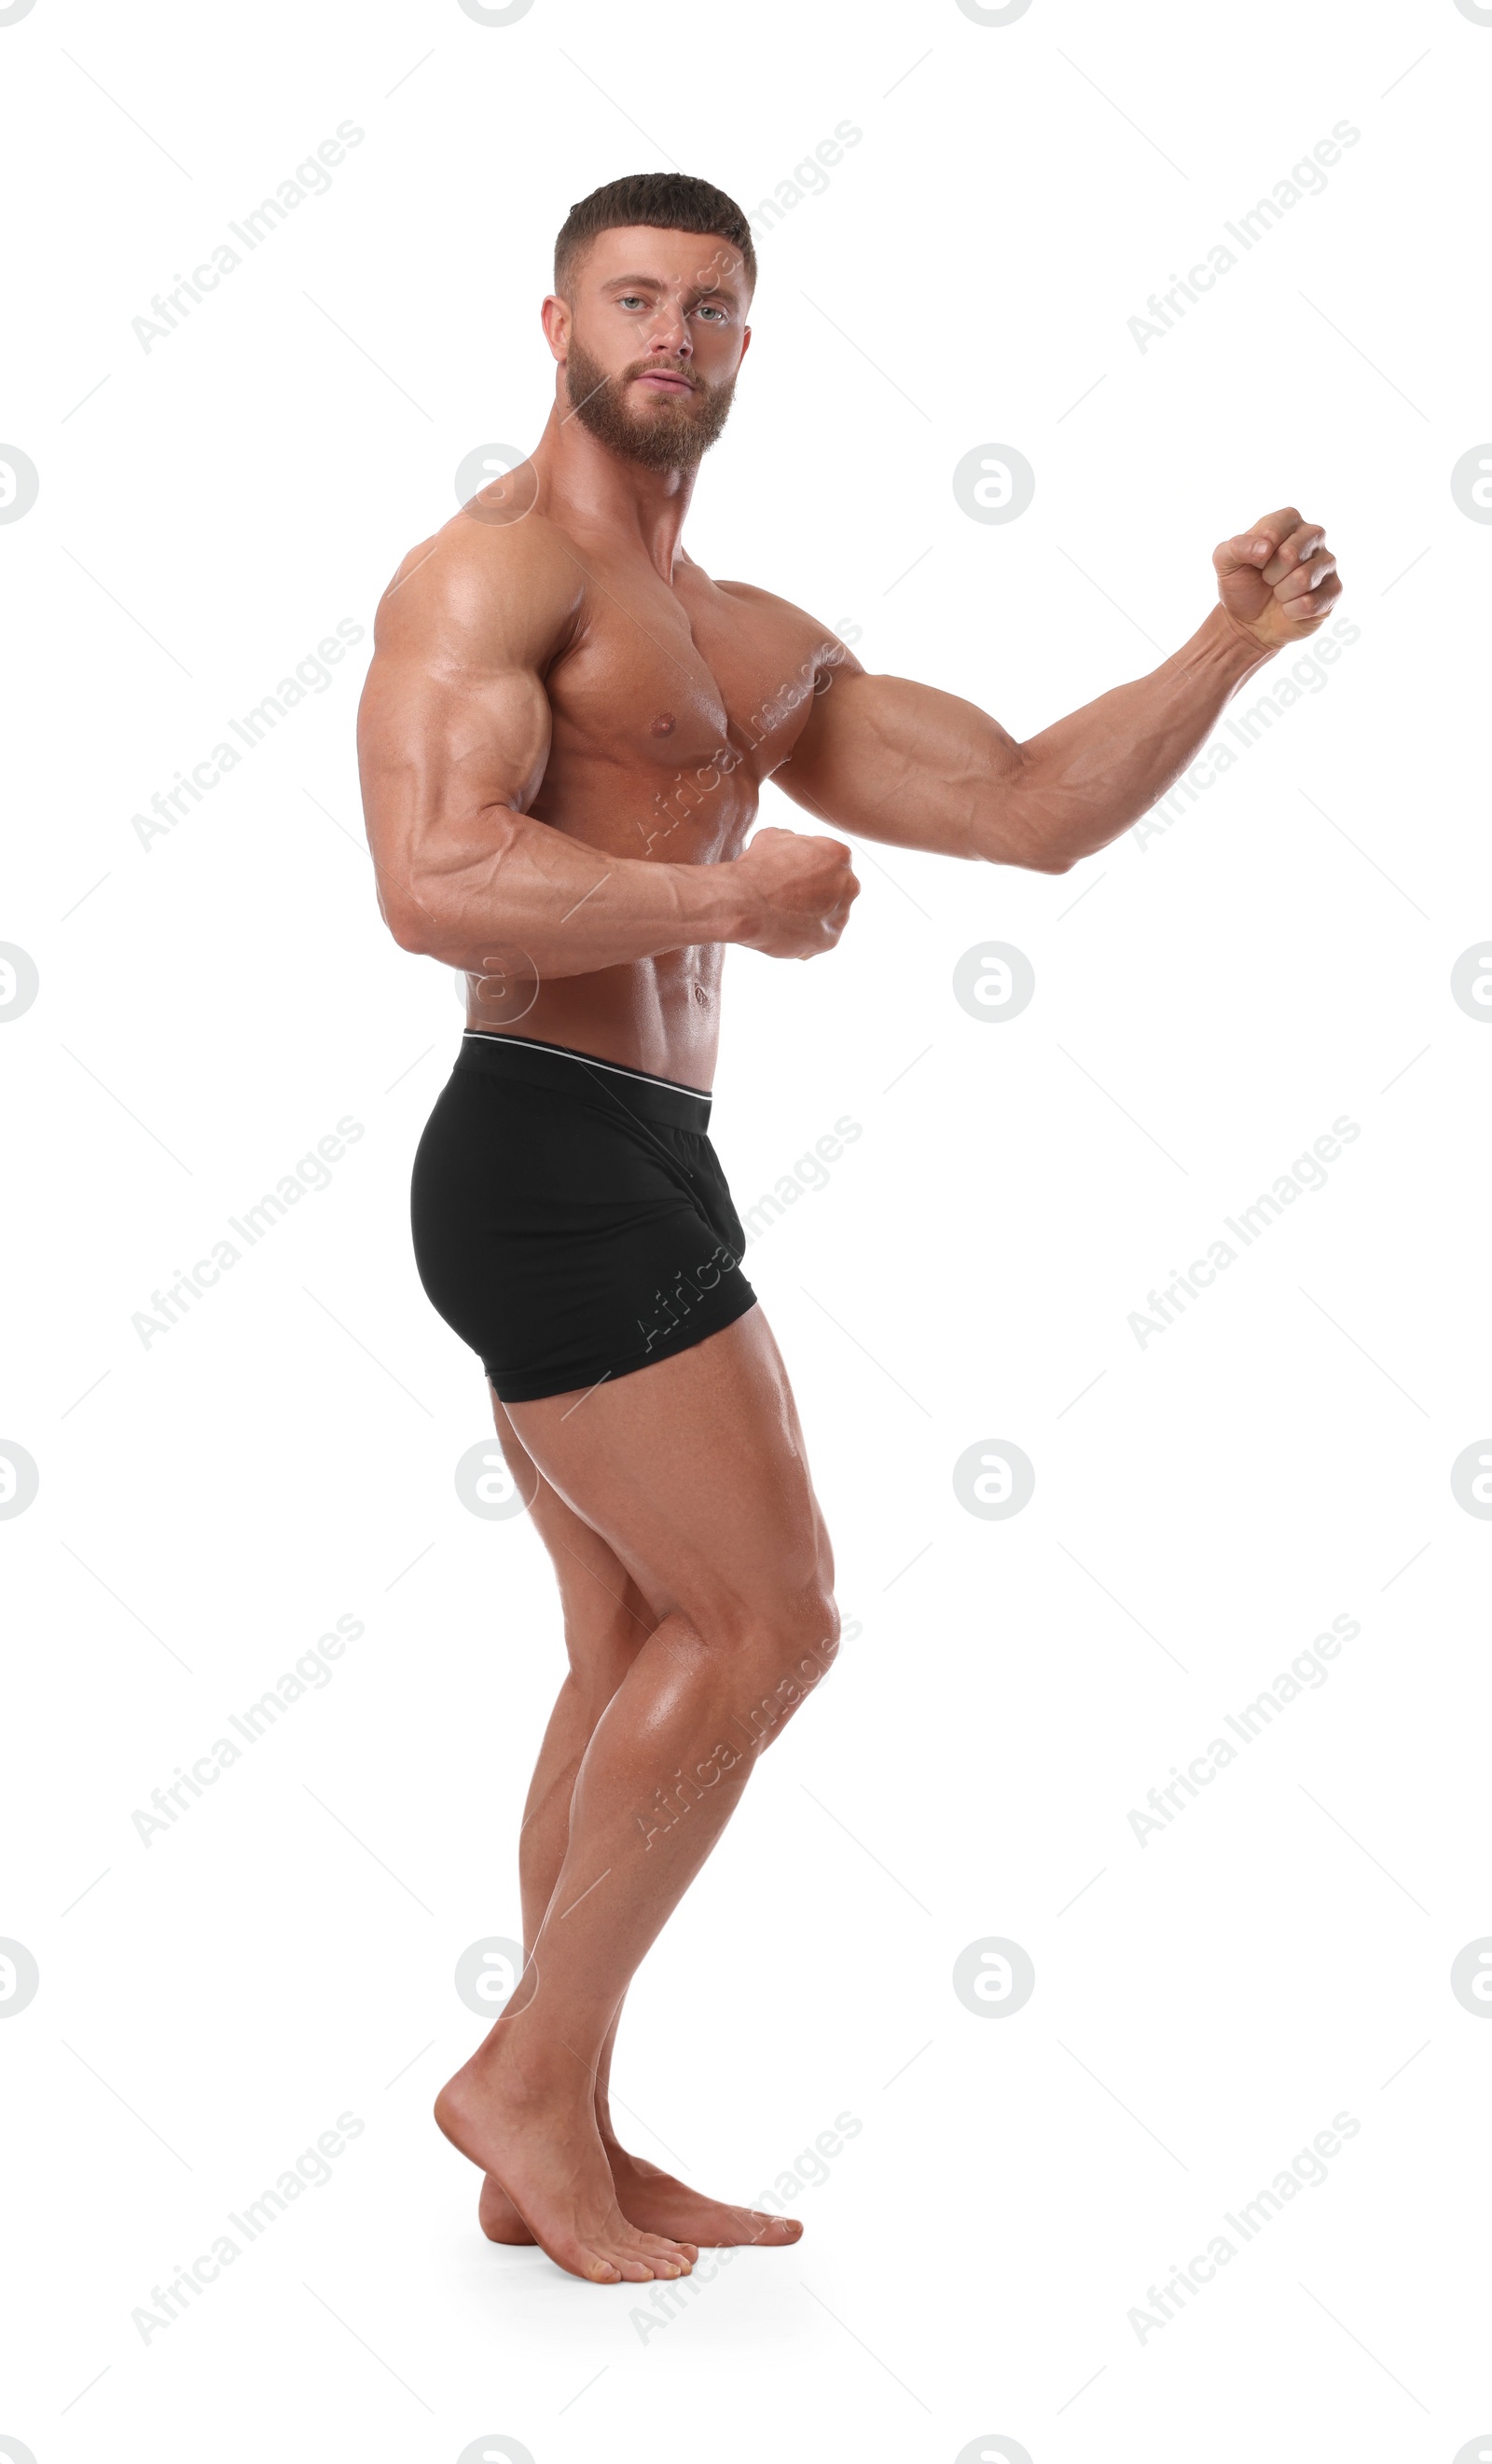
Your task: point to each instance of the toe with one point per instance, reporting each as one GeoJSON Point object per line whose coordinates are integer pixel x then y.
{"type": "Point", "coordinates": [776, 2229]}
{"type": "Point", "coordinates": [663, 2253]}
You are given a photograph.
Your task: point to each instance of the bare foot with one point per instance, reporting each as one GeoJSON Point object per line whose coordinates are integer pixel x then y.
{"type": "Point", "coordinates": [540, 2142]}
{"type": "Point", "coordinates": [497, 2216]}
{"type": "Point", "coordinates": [658, 2204]}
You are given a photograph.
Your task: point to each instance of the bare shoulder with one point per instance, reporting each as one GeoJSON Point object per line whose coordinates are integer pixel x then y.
{"type": "Point", "coordinates": [482, 592]}
{"type": "Point", "coordinates": [802, 637]}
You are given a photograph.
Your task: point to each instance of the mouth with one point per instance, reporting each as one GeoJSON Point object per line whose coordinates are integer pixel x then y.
{"type": "Point", "coordinates": [663, 380]}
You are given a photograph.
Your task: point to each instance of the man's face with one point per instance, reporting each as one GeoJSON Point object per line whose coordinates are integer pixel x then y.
{"type": "Point", "coordinates": [652, 335]}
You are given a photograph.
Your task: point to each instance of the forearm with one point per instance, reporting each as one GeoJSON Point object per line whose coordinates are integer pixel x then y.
{"type": "Point", "coordinates": [572, 909]}
{"type": "Point", "coordinates": [1086, 779]}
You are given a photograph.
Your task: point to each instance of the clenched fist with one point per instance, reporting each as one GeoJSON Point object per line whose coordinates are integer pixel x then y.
{"type": "Point", "coordinates": [800, 892]}
{"type": "Point", "coordinates": [1277, 581]}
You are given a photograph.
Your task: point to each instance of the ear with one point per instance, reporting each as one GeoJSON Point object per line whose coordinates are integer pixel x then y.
{"type": "Point", "coordinates": [746, 341]}
{"type": "Point", "coordinates": [555, 318]}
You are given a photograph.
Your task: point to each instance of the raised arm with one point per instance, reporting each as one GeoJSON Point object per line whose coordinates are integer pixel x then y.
{"type": "Point", "coordinates": [453, 743]}
{"type": "Point", "coordinates": [904, 763]}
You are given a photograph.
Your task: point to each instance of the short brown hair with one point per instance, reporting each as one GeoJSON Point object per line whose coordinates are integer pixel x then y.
{"type": "Point", "coordinates": [668, 199]}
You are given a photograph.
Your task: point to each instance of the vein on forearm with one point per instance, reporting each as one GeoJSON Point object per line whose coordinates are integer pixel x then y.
{"type": "Point", "coordinates": [1100, 769]}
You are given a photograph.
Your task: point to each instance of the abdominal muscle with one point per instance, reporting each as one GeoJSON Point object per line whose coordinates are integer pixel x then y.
{"type": "Point", "coordinates": [660, 1015]}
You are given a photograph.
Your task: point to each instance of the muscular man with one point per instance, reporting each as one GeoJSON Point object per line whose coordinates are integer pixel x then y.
{"type": "Point", "coordinates": [562, 739]}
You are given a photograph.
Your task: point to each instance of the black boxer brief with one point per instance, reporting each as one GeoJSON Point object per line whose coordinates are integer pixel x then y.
{"type": "Point", "coordinates": [571, 1220]}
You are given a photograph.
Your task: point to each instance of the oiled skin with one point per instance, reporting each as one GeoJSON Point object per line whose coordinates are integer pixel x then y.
{"type": "Point", "coordinates": [567, 724]}
{"type": "Point", "coordinates": [563, 738]}
{"type": "Point", "coordinates": [665, 705]}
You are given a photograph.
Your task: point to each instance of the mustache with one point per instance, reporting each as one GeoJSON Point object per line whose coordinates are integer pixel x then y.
{"type": "Point", "coordinates": [638, 368]}
{"type": "Point", "coordinates": [666, 437]}
{"type": "Point", "coordinates": [664, 368]}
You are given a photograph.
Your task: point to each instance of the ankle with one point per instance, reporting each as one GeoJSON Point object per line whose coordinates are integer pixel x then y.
{"type": "Point", "coordinates": [534, 2065]}
{"type": "Point", "coordinates": [622, 2160]}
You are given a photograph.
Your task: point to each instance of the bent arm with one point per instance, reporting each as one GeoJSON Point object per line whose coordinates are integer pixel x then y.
{"type": "Point", "coordinates": [453, 742]}
{"type": "Point", "coordinates": [904, 763]}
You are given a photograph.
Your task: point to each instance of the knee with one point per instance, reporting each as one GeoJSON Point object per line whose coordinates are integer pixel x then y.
{"type": "Point", "coordinates": [792, 1614]}
{"type": "Point", "coordinates": [810, 1644]}
{"type": "Point", "coordinates": [818, 1626]}
{"type": "Point", "coordinates": [780, 1655]}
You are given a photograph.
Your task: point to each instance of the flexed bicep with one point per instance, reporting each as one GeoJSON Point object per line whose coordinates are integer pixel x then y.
{"type": "Point", "coordinates": [454, 729]}
{"type": "Point", "coordinates": [454, 740]}
{"type": "Point", "coordinates": [902, 762]}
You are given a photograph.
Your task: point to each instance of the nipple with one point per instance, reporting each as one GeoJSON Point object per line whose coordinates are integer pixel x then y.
{"type": "Point", "coordinates": [664, 724]}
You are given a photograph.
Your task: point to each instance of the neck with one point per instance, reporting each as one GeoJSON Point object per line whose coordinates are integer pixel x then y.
{"type": "Point", "coordinates": [584, 478]}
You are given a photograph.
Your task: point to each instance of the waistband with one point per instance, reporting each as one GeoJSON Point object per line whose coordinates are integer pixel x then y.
{"type": "Point", "coordinates": [567, 1072]}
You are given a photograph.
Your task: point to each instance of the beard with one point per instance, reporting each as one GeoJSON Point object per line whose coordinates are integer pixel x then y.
{"type": "Point", "coordinates": [671, 435]}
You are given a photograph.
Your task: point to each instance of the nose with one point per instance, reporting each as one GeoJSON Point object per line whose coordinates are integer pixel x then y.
{"type": "Point", "coordinates": [668, 331]}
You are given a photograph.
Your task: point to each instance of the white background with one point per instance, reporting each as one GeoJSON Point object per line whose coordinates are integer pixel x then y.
{"type": "Point", "coordinates": [1205, 1504]}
